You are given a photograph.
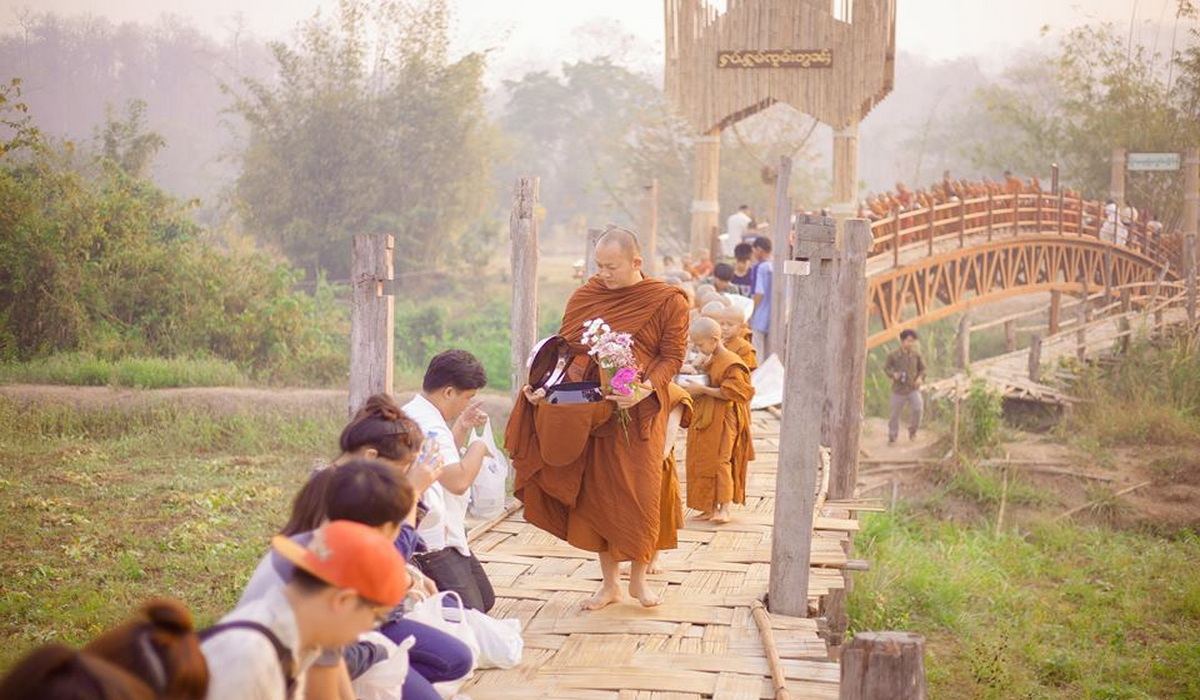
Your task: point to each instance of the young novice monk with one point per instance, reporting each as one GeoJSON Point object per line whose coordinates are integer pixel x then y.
{"type": "Point", "coordinates": [718, 442]}
{"type": "Point", "coordinates": [670, 505]}
{"type": "Point", "coordinates": [733, 334]}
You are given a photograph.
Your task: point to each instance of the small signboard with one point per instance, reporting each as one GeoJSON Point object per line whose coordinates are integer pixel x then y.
{"type": "Point", "coordinates": [776, 58]}
{"type": "Point", "coordinates": [1152, 161]}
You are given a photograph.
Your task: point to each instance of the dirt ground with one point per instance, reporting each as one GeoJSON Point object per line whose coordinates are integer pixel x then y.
{"type": "Point", "coordinates": [1170, 501]}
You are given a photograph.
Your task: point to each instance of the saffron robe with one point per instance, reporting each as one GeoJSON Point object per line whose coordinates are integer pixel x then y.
{"type": "Point", "coordinates": [671, 506]}
{"type": "Point", "coordinates": [743, 348]}
{"type": "Point", "coordinates": [607, 496]}
{"type": "Point", "coordinates": [719, 445]}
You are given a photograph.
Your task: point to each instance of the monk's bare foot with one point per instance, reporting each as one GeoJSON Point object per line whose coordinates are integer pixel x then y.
{"type": "Point", "coordinates": [639, 590]}
{"type": "Point", "coordinates": [703, 515]}
{"type": "Point", "coordinates": [653, 567]}
{"type": "Point", "coordinates": [722, 515]}
{"type": "Point", "coordinates": [607, 595]}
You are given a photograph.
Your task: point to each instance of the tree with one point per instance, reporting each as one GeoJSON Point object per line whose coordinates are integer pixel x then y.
{"type": "Point", "coordinates": [369, 127]}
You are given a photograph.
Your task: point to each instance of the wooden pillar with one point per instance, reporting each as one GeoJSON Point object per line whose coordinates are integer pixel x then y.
{"type": "Point", "coordinates": [962, 356]}
{"type": "Point", "coordinates": [589, 252]}
{"type": "Point", "coordinates": [1035, 358]}
{"type": "Point", "coordinates": [372, 315]}
{"type": "Point", "coordinates": [991, 216]}
{"type": "Point", "coordinates": [1055, 311]}
{"type": "Point", "coordinates": [1081, 317]}
{"type": "Point", "coordinates": [812, 281]}
{"type": "Point", "coordinates": [1010, 335]}
{"type": "Point", "coordinates": [706, 207]}
{"type": "Point", "coordinates": [883, 666]}
{"type": "Point", "coordinates": [1116, 189]}
{"type": "Point", "coordinates": [524, 259]}
{"type": "Point", "coordinates": [649, 231]}
{"type": "Point", "coordinates": [846, 359]}
{"type": "Point", "coordinates": [845, 171]}
{"type": "Point", "coordinates": [1191, 225]}
{"type": "Point", "coordinates": [777, 335]}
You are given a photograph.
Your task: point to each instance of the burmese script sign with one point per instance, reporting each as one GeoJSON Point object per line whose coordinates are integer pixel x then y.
{"type": "Point", "coordinates": [1153, 161]}
{"type": "Point", "coordinates": [776, 58]}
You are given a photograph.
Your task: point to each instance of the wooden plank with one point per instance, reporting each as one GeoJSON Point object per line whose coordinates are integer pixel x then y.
{"type": "Point", "coordinates": [738, 687]}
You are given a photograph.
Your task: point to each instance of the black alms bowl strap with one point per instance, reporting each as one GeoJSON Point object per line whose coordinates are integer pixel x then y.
{"type": "Point", "coordinates": [287, 663]}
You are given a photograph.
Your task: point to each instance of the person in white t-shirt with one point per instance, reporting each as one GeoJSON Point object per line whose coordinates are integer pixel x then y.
{"type": "Point", "coordinates": [737, 226]}
{"type": "Point", "coordinates": [448, 394]}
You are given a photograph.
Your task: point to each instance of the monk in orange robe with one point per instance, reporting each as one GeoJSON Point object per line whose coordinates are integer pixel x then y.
{"type": "Point", "coordinates": [719, 447]}
{"type": "Point", "coordinates": [733, 334]}
{"type": "Point", "coordinates": [582, 475]}
{"type": "Point", "coordinates": [671, 507]}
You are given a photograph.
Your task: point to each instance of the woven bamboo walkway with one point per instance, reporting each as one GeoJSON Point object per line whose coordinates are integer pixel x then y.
{"type": "Point", "coordinates": [701, 642]}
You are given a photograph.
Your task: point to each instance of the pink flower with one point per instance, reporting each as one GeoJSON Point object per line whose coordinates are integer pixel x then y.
{"type": "Point", "coordinates": [622, 379]}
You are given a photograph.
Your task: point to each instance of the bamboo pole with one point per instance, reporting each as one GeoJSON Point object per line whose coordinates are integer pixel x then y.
{"type": "Point", "coordinates": [524, 260]}
{"type": "Point", "coordinates": [778, 677]}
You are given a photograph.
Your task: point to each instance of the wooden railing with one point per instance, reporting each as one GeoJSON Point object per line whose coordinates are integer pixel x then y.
{"type": "Point", "coordinates": [1011, 214]}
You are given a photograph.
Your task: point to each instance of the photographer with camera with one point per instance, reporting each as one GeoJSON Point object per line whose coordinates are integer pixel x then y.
{"type": "Point", "coordinates": [906, 369]}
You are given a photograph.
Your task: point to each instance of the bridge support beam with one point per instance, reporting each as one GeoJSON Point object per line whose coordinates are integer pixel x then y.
{"type": "Point", "coordinates": [1055, 311]}
{"type": "Point", "coordinates": [1191, 225]}
{"type": "Point", "coordinates": [1116, 189]}
{"type": "Point", "coordinates": [962, 356]}
{"type": "Point", "coordinates": [845, 172]}
{"type": "Point", "coordinates": [706, 205]}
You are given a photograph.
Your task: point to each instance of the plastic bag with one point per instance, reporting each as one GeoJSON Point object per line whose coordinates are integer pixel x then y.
{"type": "Point", "coordinates": [383, 680]}
{"type": "Point", "coordinates": [500, 641]}
{"type": "Point", "coordinates": [449, 618]}
{"type": "Point", "coordinates": [489, 491]}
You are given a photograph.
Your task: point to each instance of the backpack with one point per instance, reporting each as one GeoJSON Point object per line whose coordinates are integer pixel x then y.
{"type": "Point", "coordinates": [287, 664]}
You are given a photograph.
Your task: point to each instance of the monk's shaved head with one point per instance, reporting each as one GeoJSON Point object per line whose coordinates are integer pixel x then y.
{"type": "Point", "coordinates": [704, 328]}
{"type": "Point", "coordinates": [712, 309]}
{"type": "Point", "coordinates": [623, 238]}
{"type": "Point", "coordinates": [729, 313]}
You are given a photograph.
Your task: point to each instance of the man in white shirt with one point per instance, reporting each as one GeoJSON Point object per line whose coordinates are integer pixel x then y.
{"type": "Point", "coordinates": [448, 394]}
{"type": "Point", "coordinates": [346, 580]}
{"type": "Point", "coordinates": [736, 228]}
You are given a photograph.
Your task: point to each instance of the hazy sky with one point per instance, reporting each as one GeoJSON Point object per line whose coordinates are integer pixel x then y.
{"type": "Point", "coordinates": [530, 32]}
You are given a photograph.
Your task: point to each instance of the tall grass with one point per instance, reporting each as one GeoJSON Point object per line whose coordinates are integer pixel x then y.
{"type": "Point", "coordinates": [1150, 397]}
{"type": "Point", "coordinates": [83, 369]}
{"type": "Point", "coordinates": [1061, 612]}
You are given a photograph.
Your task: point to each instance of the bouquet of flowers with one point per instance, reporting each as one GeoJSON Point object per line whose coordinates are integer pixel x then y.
{"type": "Point", "coordinates": [613, 353]}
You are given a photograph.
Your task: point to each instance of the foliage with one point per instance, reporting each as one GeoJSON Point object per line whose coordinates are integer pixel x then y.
{"type": "Point", "coordinates": [1060, 612]}
{"type": "Point", "coordinates": [1151, 397]}
{"type": "Point", "coordinates": [95, 259]}
{"type": "Point", "coordinates": [368, 127]}
{"type": "Point", "coordinates": [980, 421]}
{"type": "Point", "coordinates": [80, 369]}
{"type": "Point", "coordinates": [1098, 92]}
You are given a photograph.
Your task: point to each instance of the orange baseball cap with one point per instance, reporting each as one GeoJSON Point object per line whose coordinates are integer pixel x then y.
{"type": "Point", "coordinates": [346, 554]}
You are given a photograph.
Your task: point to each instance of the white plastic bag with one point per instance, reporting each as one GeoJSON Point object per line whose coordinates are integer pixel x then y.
{"type": "Point", "coordinates": [500, 641]}
{"type": "Point", "coordinates": [451, 619]}
{"type": "Point", "coordinates": [489, 491]}
{"type": "Point", "coordinates": [383, 680]}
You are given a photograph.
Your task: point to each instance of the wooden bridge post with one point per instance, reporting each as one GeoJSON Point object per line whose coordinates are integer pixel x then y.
{"type": "Point", "coordinates": [706, 205]}
{"type": "Point", "coordinates": [962, 356]}
{"type": "Point", "coordinates": [1035, 357]}
{"type": "Point", "coordinates": [1081, 318]}
{"type": "Point", "coordinates": [962, 222]}
{"type": "Point", "coordinates": [932, 226]}
{"type": "Point", "coordinates": [1061, 208]}
{"type": "Point", "coordinates": [883, 666]}
{"type": "Point", "coordinates": [1055, 311]}
{"type": "Point", "coordinates": [846, 360]}
{"type": "Point", "coordinates": [1117, 187]}
{"type": "Point", "coordinates": [777, 335]}
{"type": "Point", "coordinates": [991, 215]}
{"type": "Point", "coordinates": [523, 256]}
{"type": "Point", "coordinates": [372, 315]}
{"type": "Point", "coordinates": [649, 231]}
{"type": "Point", "coordinates": [812, 281]}
{"type": "Point", "coordinates": [589, 252]}
{"type": "Point", "coordinates": [1191, 226]}
{"type": "Point", "coordinates": [1010, 335]}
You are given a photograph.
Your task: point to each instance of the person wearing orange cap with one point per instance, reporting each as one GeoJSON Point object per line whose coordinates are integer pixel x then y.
{"type": "Point", "coordinates": [345, 581]}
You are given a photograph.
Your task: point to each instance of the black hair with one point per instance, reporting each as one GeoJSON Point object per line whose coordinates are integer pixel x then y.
{"type": "Point", "coordinates": [743, 251]}
{"type": "Point", "coordinates": [907, 333]}
{"type": "Point", "coordinates": [763, 243]}
{"type": "Point", "coordinates": [383, 425]}
{"type": "Point", "coordinates": [743, 206]}
{"type": "Point", "coordinates": [454, 368]}
{"type": "Point", "coordinates": [369, 492]}
{"type": "Point", "coordinates": [723, 271]}
{"type": "Point", "coordinates": [308, 507]}
{"type": "Point", "coordinates": [308, 583]}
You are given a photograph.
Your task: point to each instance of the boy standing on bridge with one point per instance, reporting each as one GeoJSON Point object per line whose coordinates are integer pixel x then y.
{"type": "Point", "coordinates": [906, 369]}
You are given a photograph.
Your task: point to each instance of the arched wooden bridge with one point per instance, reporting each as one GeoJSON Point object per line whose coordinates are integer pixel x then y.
{"type": "Point", "coordinates": [931, 263]}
